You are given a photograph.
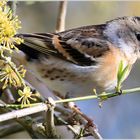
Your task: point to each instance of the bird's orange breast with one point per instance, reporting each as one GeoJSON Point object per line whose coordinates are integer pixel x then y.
{"type": "Point", "coordinates": [106, 73]}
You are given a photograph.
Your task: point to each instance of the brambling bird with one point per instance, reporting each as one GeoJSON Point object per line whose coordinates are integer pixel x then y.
{"type": "Point", "coordinates": [77, 60]}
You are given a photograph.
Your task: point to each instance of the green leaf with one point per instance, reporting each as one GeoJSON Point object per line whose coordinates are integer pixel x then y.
{"type": "Point", "coordinates": [124, 74]}
{"type": "Point", "coordinates": [120, 69]}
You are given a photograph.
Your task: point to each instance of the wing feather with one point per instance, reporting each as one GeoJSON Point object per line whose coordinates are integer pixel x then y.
{"type": "Point", "coordinates": [81, 46]}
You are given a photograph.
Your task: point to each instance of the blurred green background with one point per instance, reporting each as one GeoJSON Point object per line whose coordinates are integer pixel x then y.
{"type": "Point", "coordinates": [120, 116]}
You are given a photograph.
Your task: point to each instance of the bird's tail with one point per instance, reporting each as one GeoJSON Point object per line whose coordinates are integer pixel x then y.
{"type": "Point", "coordinates": [36, 44]}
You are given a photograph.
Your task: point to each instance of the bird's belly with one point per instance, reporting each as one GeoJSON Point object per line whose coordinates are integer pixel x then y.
{"type": "Point", "coordinates": [64, 79]}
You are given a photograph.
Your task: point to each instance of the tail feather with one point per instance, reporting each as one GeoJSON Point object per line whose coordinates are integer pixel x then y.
{"type": "Point", "coordinates": [36, 44]}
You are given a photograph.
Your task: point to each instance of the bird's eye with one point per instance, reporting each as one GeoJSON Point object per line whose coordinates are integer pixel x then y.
{"type": "Point", "coordinates": [138, 36]}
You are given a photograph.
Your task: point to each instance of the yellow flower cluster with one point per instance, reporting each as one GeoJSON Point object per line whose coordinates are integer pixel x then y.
{"type": "Point", "coordinates": [25, 96]}
{"type": "Point", "coordinates": [8, 27]}
{"type": "Point", "coordinates": [10, 75]}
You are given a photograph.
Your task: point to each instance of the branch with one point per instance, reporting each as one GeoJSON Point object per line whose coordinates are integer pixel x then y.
{"type": "Point", "coordinates": [60, 26]}
{"type": "Point", "coordinates": [38, 107]}
{"type": "Point", "coordinates": [23, 112]}
{"type": "Point", "coordinates": [49, 122]}
{"type": "Point", "coordinates": [7, 129]}
{"type": "Point", "coordinates": [103, 96]}
{"type": "Point", "coordinates": [9, 96]}
{"type": "Point", "coordinates": [32, 127]}
{"type": "Point", "coordinates": [13, 6]}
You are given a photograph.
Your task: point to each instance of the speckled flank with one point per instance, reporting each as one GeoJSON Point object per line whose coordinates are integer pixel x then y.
{"type": "Point", "coordinates": [57, 74]}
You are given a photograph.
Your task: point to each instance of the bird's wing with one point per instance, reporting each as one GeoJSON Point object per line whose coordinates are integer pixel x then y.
{"type": "Point", "coordinates": [81, 46]}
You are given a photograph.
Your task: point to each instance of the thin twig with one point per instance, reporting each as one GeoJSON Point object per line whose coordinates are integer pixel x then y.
{"type": "Point", "coordinates": [60, 26]}
{"type": "Point", "coordinates": [89, 124]}
{"type": "Point", "coordinates": [9, 96]}
{"type": "Point", "coordinates": [92, 130]}
{"type": "Point", "coordinates": [13, 6]}
{"type": "Point", "coordinates": [67, 125]}
{"type": "Point", "coordinates": [103, 96]}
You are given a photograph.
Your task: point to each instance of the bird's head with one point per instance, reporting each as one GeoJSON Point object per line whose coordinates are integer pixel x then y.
{"type": "Point", "coordinates": [125, 33]}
